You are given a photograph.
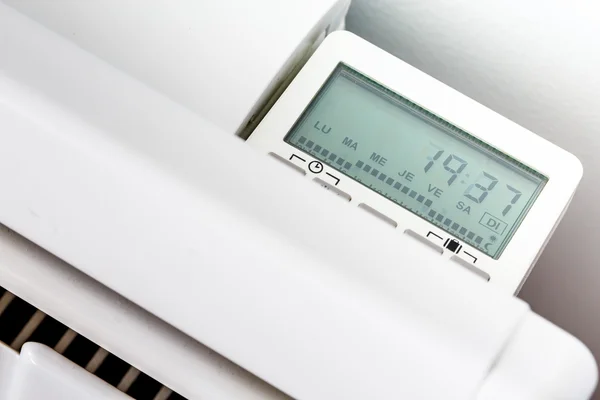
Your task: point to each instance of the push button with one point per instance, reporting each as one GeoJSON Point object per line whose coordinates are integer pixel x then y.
{"type": "Point", "coordinates": [333, 189]}
{"type": "Point", "coordinates": [425, 241]}
{"type": "Point", "coordinates": [377, 214]}
{"type": "Point", "coordinates": [289, 163]}
{"type": "Point", "coordinates": [470, 267]}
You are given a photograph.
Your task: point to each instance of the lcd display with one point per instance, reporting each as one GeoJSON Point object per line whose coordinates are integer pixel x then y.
{"type": "Point", "coordinates": [417, 160]}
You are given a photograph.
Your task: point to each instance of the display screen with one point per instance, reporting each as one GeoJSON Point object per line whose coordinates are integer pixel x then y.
{"type": "Point", "coordinates": [417, 160]}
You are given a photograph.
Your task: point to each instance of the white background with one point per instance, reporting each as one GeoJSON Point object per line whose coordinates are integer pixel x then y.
{"type": "Point", "coordinates": [536, 62]}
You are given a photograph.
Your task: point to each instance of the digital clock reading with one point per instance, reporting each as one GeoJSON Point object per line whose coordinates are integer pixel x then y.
{"type": "Point", "coordinates": [417, 160]}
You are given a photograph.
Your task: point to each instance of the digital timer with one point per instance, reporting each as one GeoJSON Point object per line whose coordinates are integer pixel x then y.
{"type": "Point", "coordinates": [418, 160]}
{"type": "Point", "coordinates": [451, 173]}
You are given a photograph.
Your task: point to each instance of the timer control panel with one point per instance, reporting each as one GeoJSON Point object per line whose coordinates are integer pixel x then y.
{"type": "Point", "coordinates": [441, 169]}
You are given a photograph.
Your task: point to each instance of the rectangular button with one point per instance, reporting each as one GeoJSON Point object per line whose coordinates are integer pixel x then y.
{"type": "Point", "coordinates": [288, 163]}
{"type": "Point", "coordinates": [425, 241]}
{"type": "Point", "coordinates": [377, 214]}
{"type": "Point", "coordinates": [470, 267]}
{"type": "Point", "coordinates": [333, 189]}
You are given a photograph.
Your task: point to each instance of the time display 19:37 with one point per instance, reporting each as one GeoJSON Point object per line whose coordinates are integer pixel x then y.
{"type": "Point", "coordinates": [478, 191]}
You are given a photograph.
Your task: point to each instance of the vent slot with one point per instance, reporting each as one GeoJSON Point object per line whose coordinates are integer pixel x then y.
{"type": "Point", "coordinates": [20, 322]}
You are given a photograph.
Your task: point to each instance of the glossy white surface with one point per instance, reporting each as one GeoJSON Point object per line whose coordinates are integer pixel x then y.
{"type": "Point", "coordinates": [539, 364]}
{"type": "Point", "coordinates": [562, 169]}
{"type": "Point", "coordinates": [90, 173]}
{"type": "Point", "coordinates": [9, 360]}
{"type": "Point", "coordinates": [41, 373]}
{"type": "Point", "coordinates": [236, 50]}
{"type": "Point", "coordinates": [124, 187]}
{"type": "Point", "coordinates": [121, 327]}
{"type": "Point", "coordinates": [537, 63]}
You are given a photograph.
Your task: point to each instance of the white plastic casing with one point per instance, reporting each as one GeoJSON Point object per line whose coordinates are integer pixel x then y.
{"type": "Point", "coordinates": [40, 373]}
{"type": "Point", "coordinates": [222, 59]}
{"type": "Point", "coordinates": [119, 326]}
{"type": "Point", "coordinates": [265, 268]}
{"type": "Point", "coordinates": [562, 168]}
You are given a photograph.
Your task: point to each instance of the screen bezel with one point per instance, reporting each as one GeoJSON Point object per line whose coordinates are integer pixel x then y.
{"type": "Point", "coordinates": [562, 168]}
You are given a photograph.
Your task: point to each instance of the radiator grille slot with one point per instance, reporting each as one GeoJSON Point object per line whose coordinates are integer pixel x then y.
{"type": "Point", "coordinates": [20, 322]}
